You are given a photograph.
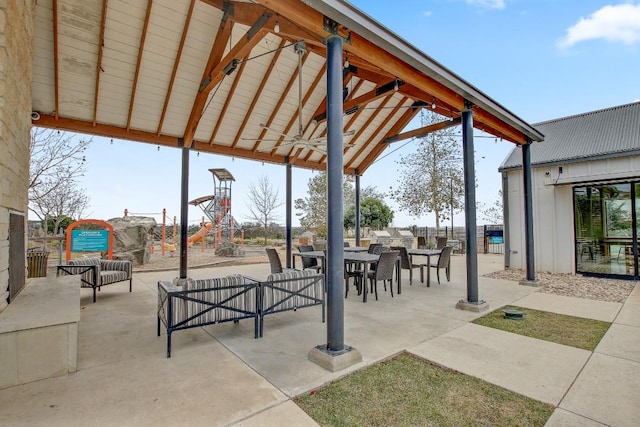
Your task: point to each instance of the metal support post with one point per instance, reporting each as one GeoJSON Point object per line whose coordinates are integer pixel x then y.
{"type": "Point", "coordinates": [357, 208]}
{"type": "Point", "coordinates": [528, 212]}
{"type": "Point", "coordinates": [289, 207]}
{"type": "Point", "coordinates": [184, 211]}
{"type": "Point", "coordinates": [470, 204]}
{"type": "Point", "coordinates": [335, 217]}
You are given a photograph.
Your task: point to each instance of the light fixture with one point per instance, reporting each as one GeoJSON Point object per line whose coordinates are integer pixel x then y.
{"type": "Point", "coordinates": [158, 148]}
{"type": "Point", "coordinates": [395, 86]}
{"type": "Point", "coordinates": [276, 27]}
{"type": "Point", "coordinates": [111, 141]}
{"type": "Point", "coordinates": [433, 104]}
{"type": "Point", "coordinates": [346, 61]}
{"type": "Point", "coordinates": [198, 155]}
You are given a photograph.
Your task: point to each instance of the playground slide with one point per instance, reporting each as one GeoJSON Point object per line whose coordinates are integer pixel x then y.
{"type": "Point", "coordinates": [201, 233]}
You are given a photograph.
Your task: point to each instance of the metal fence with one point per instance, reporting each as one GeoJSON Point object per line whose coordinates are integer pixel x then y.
{"type": "Point", "coordinates": [490, 238]}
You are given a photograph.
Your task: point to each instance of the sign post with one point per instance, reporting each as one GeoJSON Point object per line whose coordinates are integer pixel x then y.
{"type": "Point", "coordinates": [90, 240]}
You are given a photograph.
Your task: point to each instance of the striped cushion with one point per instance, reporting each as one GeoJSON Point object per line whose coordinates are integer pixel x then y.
{"type": "Point", "coordinates": [284, 299]}
{"type": "Point", "coordinates": [179, 308]}
{"type": "Point", "coordinates": [236, 299]}
{"type": "Point", "coordinates": [87, 277]}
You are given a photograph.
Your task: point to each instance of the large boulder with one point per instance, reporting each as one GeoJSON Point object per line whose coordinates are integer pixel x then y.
{"type": "Point", "coordinates": [132, 238]}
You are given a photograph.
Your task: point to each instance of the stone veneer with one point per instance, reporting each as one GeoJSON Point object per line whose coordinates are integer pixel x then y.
{"type": "Point", "coordinates": [17, 21]}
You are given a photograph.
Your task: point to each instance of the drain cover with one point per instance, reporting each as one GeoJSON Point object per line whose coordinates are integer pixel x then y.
{"type": "Point", "coordinates": [510, 313]}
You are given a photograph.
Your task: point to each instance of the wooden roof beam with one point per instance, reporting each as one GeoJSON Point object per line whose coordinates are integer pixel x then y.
{"type": "Point", "coordinates": [176, 62]}
{"type": "Point", "coordinates": [257, 95]}
{"type": "Point", "coordinates": [136, 75]}
{"type": "Point", "coordinates": [355, 104]}
{"type": "Point", "coordinates": [217, 73]}
{"type": "Point", "coordinates": [103, 22]}
{"type": "Point", "coordinates": [423, 131]}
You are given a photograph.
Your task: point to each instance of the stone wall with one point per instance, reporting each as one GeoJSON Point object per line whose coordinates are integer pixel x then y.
{"type": "Point", "coordinates": [17, 21]}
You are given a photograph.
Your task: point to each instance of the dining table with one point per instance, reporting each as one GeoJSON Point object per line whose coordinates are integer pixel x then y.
{"type": "Point", "coordinates": [356, 248]}
{"type": "Point", "coordinates": [425, 253]}
{"type": "Point", "coordinates": [365, 259]}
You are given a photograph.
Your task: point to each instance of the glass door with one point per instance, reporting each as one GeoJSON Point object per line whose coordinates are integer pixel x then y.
{"type": "Point", "coordinates": [604, 229]}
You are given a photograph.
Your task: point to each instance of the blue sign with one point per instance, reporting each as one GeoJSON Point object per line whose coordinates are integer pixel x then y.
{"type": "Point", "coordinates": [89, 240]}
{"type": "Point", "coordinates": [496, 239]}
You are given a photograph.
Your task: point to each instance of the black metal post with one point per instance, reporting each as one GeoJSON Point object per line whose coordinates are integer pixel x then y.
{"type": "Point", "coordinates": [451, 209]}
{"type": "Point", "coordinates": [289, 207]}
{"type": "Point", "coordinates": [335, 217]}
{"type": "Point", "coordinates": [506, 235]}
{"type": "Point", "coordinates": [184, 210]}
{"type": "Point", "coordinates": [528, 211]}
{"type": "Point", "coordinates": [357, 208]}
{"type": "Point", "coordinates": [470, 204]}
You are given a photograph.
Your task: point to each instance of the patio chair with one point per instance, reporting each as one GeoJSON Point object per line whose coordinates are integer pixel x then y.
{"type": "Point", "coordinates": [274, 260]}
{"type": "Point", "coordinates": [373, 246]}
{"type": "Point", "coordinates": [352, 270]}
{"type": "Point", "coordinates": [406, 264]}
{"type": "Point", "coordinates": [443, 262]}
{"type": "Point", "coordinates": [441, 242]}
{"type": "Point", "coordinates": [96, 272]}
{"type": "Point", "coordinates": [309, 263]}
{"type": "Point", "coordinates": [422, 243]}
{"type": "Point", "coordinates": [384, 271]}
{"type": "Point", "coordinates": [346, 244]}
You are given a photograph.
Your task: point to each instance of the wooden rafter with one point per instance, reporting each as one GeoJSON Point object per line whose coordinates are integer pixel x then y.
{"type": "Point", "coordinates": [365, 126]}
{"type": "Point", "coordinates": [355, 104]}
{"type": "Point", "coordinates": [99, 64]}
{"type": "Point", "coordinates": [55, 59]}
{"type": "Point", "coordinates": [227, 102]}
{"type": "Point", "coordinates": [257, 95]}
{"type": "Point", "coordinates": [217, 73]}
{"type": "Point", "coordinates": [176, 63]}
{"type": "Point", "coordinates": [283, 97]}
{"type": "Point", "coordinates": [307, 95]}
{"type": "Point", "coordinates": [377, 149]}
{"type": "Point", "coordinates": [423, 131]}
{"type": "Point", "coordinates": [137, 72]}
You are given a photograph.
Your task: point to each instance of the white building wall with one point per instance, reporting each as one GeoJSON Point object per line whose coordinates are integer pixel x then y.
{"type": "Point", "coordinates": [554, 249]}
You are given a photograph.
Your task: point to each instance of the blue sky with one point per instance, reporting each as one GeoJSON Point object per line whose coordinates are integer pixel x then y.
{"type": "Point", "coordinates": [541, 59]}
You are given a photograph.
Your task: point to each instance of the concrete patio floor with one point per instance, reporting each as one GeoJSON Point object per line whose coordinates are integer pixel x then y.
{"type": "Point", "coordinates": [221, 375]}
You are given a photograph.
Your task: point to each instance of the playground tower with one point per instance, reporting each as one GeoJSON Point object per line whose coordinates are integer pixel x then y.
{"type": "Point", "coordinates": [217, 207]}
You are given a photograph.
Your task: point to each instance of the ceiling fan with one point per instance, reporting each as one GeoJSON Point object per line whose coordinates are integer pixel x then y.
{"type": "Point", "coordinates": [298, 140]}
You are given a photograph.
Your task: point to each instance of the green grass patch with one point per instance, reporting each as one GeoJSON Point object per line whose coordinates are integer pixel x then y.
{"type": "Point", "coordinates": [408, 391]}
{"type": "Point", "coordinates": [558, 328]}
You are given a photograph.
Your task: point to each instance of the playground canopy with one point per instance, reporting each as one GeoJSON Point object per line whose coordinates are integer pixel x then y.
{"type": "Point", "coordinates": [223, 77]}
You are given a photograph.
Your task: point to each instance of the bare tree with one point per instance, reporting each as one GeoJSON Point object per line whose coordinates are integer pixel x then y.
{"type": "Point", "coordinates": [57, 161]}
{"type": "Point", "coordinates": [263, 201]}
{"type": "Point", "coordinates": [431, 178]}
{"type": "Point", "coordinates": [493, 213]}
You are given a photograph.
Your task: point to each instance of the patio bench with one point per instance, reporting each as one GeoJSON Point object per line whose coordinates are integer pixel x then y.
{"type": "Point", "coordinates": [206, 302]}
{"type": "Point", "coordinates": [236, 297]}
{"type": "Point", "coordinates": [289, 291]}
{"type": "Point", "coordinates": [96, 272]}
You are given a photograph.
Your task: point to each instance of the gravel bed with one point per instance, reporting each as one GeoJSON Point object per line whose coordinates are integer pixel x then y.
{"type": "Point", "coordinates": [595, 288]}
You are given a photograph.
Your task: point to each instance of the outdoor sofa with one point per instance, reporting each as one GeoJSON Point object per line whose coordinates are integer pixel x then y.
{"type": "Point", "coordinates": [96, 272]}
{"type": "Point", "coordinates": [236, 297]}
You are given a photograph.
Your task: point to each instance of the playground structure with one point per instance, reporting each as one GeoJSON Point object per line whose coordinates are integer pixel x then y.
{"type": "Point", "coordinates": [217, 208]}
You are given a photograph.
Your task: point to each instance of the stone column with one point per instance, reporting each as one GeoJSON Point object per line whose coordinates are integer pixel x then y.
{"type": "Point", "coordinates": [17, 21]}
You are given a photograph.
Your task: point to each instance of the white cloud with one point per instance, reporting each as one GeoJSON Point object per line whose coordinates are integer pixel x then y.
{"type": "Point", "coordinates": [491, 4]}
{"type": "Point", "coordinates": [620, 23]}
